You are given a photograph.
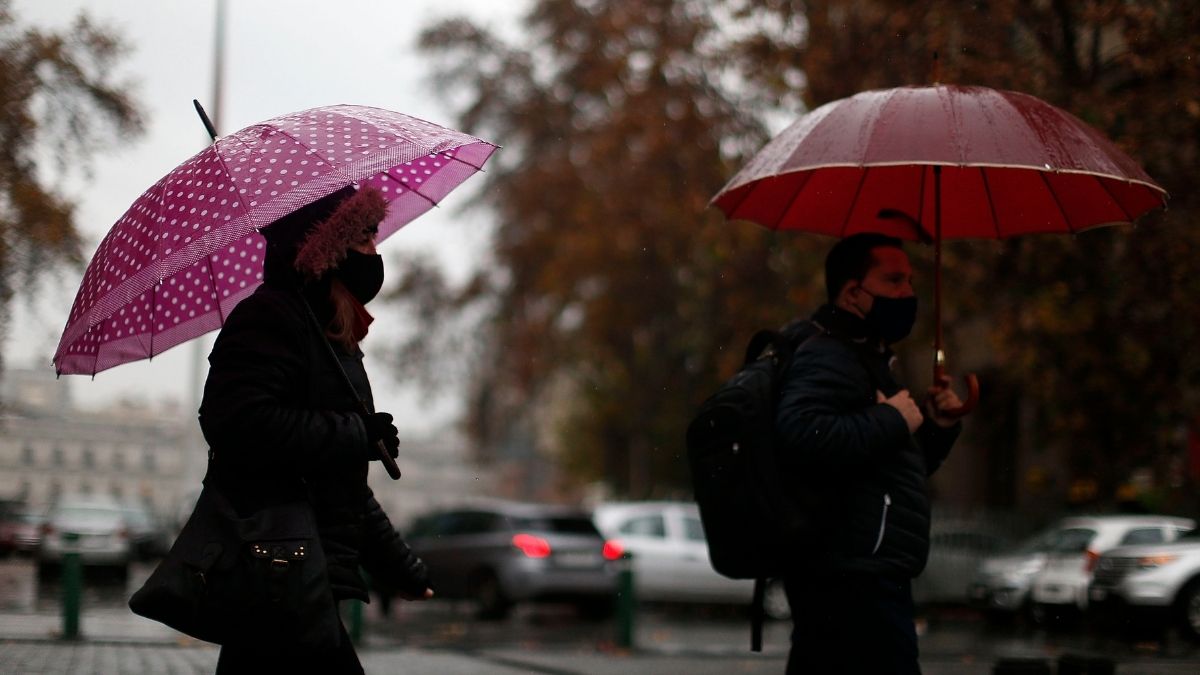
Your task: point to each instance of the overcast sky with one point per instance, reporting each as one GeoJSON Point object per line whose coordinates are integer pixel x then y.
{"type": "Point", "coordinates": [280, 56]}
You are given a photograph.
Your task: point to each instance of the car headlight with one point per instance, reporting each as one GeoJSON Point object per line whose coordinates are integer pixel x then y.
{"type": "Point", "coordinates": [1151, 561]}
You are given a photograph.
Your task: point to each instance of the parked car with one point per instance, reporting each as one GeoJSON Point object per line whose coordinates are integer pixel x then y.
{"type": "Point", "coordinates": [147, 535]}
{"type": "Point", "coordinates": [1060, 589]}
{"type": "Point", "coordinates": [98, 528]}
{"type": "Point", "coordinates": [505, 553]}
{"type": "Point", "coordinates": [956, 552]}
{"type": "Point", "coordinates": [1002, 581]}
{"type": "Point", "coordinates": [1151, 582]}
{"type": "Point", "coordinates": [20, 532]}
{"type": "Point", "coordinates": [670, 556]}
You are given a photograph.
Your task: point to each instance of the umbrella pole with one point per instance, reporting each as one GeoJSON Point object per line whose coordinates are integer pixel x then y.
{"type": "Point", "coordinates": [940, 380]}
{"type": "Point", "coordinates": [939, 355]}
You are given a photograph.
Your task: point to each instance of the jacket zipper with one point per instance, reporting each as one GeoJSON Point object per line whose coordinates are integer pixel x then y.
{"type": "Point", "coordinates": [887, 501]}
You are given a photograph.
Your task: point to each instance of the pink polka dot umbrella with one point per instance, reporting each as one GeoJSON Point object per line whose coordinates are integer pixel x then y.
{"type": "Point", "coordinates": [188, 250]}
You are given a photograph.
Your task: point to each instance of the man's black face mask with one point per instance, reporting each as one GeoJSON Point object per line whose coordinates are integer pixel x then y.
{"type": "Point", "coordinates": [362, 273]}
{"type": "Point", "coordinates": [892, 319]}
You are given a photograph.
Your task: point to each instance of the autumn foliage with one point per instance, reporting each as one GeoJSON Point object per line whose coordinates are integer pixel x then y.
{"type": "Point", "coordinates": [616, 300]}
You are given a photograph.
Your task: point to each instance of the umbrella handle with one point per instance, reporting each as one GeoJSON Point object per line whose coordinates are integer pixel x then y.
{"type": "Point", "coordinates": [940, 379]}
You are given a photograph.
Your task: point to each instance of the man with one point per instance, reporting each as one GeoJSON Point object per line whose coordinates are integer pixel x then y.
{"type": "Point", "coordinates": [855, 441]}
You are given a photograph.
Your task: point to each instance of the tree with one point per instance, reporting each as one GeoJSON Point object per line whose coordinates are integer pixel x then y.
{"type": "Point", "coordinates": [616, 301]}
{"type": "Point", "coordinates": [58, 106]}
{"type": "Point", "coordinates": [1092, 334]}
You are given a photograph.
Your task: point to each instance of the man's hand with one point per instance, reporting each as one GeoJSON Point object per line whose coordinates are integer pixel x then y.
{"type": "Point", "coordinates": [904, 403]}
{"type": "Point", "coordinates": [942, 397]}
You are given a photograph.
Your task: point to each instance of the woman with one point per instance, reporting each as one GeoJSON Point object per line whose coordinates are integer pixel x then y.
{"type": "Point", "coordinates": [281, 420]}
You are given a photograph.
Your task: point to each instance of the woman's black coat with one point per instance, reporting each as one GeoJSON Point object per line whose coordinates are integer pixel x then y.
{"type": "Point", "coordinates": [280, 421]}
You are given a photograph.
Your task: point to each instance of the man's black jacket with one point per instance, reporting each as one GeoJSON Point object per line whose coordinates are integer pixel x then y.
{"type": "Point", "coordinates": [855, 454]}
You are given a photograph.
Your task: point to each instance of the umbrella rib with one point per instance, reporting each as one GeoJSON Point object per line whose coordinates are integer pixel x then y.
{"type": "Point", "coordinates": [216, 292]}
{"type": "Point", "coordinates": [1057, 203]}
{"type": "Point", "coordinates": [410, 188]}
{"type": "Point", "coordinates": [849, 211]}
{"type": "Point", "coordinates": [1114, 198]}
{"type": "Point", "coordinates": [987, 188]}
{"type": "Point", "coordinates": [807, 175]}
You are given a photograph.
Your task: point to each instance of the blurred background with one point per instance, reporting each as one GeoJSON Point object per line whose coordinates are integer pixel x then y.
{"type": "Point", "coordinates": [549, 331]}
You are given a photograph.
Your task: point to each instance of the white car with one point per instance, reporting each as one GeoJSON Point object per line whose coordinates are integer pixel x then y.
{"type": "Point", "coordinates": [1060, 588]}
{"type": "Point", "coordinates": [670, 556]}
{"type": "Point", "coordinates": [1150, 583]}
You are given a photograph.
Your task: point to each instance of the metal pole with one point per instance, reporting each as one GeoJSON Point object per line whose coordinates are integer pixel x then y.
{"type": "Point", "coordinates": [355, 629]}
{"type": "Point", "coordinates": [72, 586]}
{"type": "Point", "coordinates": [626, 602]}
{"type": "Point", "coordinates": [939, 354]}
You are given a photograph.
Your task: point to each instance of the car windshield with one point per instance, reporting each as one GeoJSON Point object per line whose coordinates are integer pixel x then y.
{"type": "Point", "coordinates": [557, 524]}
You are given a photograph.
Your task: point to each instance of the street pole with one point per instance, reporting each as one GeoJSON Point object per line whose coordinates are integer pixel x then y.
{"type": "Point", "coordinates": [197, 460]}
{"type": "Point", "coordinates": [626, 601]}
{"type": "Point", "coordinates": [72, 586]}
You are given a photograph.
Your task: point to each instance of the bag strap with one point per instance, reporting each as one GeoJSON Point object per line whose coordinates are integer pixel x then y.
{"type": "Point", "coordinates": [388, 462]}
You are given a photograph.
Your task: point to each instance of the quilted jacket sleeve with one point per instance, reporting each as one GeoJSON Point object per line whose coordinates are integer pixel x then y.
{"type": "Point", "coordinates": [251, 413]}
{"type": "Point", "coordinates": [827, 420]}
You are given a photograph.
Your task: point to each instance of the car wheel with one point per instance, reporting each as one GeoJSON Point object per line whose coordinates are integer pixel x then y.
{"type": "Point", "coordinates": [1189, 610]}
{"type": "Point", "coordinates": [775, 602]}
{"type": "Point", "coordinates": [493, 603]}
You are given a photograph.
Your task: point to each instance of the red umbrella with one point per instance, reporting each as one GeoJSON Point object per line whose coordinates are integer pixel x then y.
{"type": "Point", "coordinates": [940, 162]}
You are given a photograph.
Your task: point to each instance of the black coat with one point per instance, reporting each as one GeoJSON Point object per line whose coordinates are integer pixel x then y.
{"type": "Point", "coordinates": [856, 455]}
{"type": "Point", "coordinates": [280, 421]}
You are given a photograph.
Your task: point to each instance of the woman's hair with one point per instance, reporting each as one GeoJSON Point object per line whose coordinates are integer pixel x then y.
{"type": "Point", "coordinates": [340, 328]}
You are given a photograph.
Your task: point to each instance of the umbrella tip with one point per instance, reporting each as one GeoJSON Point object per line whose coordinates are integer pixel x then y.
{"type": "Point", "coordinates": [208, 125]}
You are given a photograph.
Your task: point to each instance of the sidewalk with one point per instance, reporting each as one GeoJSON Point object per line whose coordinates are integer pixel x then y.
{"type": "Point", "coordinates": [116, 642]}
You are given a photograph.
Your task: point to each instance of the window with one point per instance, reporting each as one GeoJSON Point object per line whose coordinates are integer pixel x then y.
{"type": "Point", "coordinates": [1143, 535]}
{"type": "Point", "coordinates": [119, 461]}
{"type": "Point", "coordinates": [27, 454]}
{"type": "Point", "coordinates": [645, 526]}
{"type": "Point", "coordinates": [1073, 540]}
{"type": "Point", "coordinates": [89, 457]}
{"type": "Point", "coordinates": [693, 529]}
{"type": "Point", "coordinates": [149, 460]}
{"type": "Point", "coordinates": [56, 456]}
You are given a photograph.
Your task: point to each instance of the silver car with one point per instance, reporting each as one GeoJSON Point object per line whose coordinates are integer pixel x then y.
{"type": "Point", "coordinates": [505, 553]}
{"type": "Point", "coordinates": [670, 556]}
{"type": "Point", "coordinates": [95, 528]}
{"type": "Point", "coordinates": [1155, 581]}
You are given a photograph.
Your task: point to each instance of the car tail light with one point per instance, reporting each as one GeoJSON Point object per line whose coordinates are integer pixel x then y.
{"type": "Point", "coordinates": [47, 530]}
{"type": "Point", "coordinates": [123, 533]}
{"type": "Point", "coordinates": [531, 546]}
{"type": "Point", "coordinates": [1092, 558]}
{"type": "Point", "coordinates": [613, 550]}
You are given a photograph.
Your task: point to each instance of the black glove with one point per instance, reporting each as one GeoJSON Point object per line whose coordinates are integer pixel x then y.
{"type": "Point", "coordinates": [413, 575]}
{"type": "Point", "coordinates": [380, 428]}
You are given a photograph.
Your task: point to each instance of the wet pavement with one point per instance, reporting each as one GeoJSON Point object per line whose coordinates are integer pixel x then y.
{"type": "Point", "coordinates": [445, 637]}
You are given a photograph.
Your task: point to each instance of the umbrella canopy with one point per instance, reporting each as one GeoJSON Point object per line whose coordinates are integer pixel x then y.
{"type": "Point", "coordinates": [188, 250]}
{"type": "Point", "coordinates": [1011, 164]}
{"type": "Point", "coordinates": [952, 161]}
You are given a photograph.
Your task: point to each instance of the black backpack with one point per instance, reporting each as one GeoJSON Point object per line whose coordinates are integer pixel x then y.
{"type": "Point", "coordinates": [752, 521]}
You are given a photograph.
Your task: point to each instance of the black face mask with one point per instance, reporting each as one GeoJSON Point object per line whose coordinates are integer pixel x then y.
{"type": "Point", "coordinates": [362, 274]}
{"type": "Point", "coordinates": [892, 318]}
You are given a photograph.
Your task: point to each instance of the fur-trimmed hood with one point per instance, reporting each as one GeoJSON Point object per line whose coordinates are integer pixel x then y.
{"type": "Point", "coordinates": [306, 244]}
